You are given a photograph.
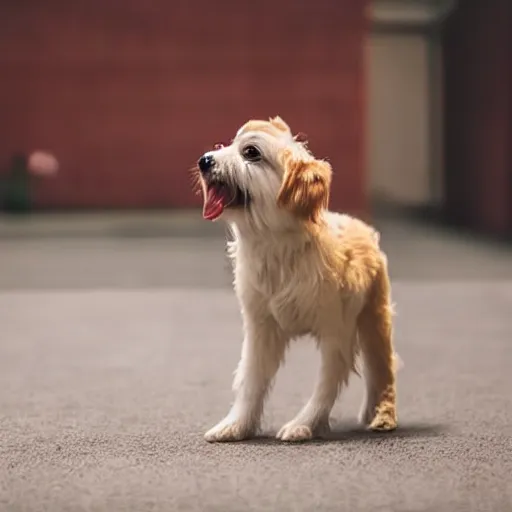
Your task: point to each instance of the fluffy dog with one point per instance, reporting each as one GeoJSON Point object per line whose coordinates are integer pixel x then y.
{"type": "Point", "coordinates": [299, 269]}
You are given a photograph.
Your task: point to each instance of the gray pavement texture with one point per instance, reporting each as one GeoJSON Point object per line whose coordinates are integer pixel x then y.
{"type": "Point", "coordinates": [118, 342]}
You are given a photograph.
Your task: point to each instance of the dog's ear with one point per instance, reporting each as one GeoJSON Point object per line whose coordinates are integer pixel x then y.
{"type": "Point", "coordinates": [305, 188]}
{"type": "Point", "coordinates": [278, 123]}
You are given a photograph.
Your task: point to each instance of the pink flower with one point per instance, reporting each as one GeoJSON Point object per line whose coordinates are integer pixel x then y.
{"type": "Point", "coordinates": [43, 164]}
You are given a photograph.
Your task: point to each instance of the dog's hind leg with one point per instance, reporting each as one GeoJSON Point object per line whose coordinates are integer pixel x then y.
{"type": "Point", "coordinates": [375, 338]}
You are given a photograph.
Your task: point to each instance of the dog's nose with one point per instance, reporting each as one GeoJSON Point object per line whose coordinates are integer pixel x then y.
{"type": "Point", "coordinates": [206, 162]}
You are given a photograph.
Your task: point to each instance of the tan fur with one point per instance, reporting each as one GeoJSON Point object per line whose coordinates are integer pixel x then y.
{"type": "Point", "coordinates": [275, 127]}
{"type": "Point", "coordinates": [305, 188]}
{"type": "Point", "coordinates": [300, 269]}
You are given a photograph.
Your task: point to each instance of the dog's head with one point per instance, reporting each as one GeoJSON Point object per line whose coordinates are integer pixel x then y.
{"type": "Point", "coordinates": [266, 176]}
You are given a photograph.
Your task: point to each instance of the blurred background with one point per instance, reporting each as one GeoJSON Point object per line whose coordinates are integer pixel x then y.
{"type": "Point", "coordinates": [409, 99]}
{"type": "Point", "coordinates": [120, 330]}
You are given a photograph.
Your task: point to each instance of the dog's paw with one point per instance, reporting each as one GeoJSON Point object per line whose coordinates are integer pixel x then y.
{"type": "Point", "coordinates": [293, 433]}
{"type": "Point", "coordinates": [378, 419]}
{"type": "Point", "coordinates": [383, 422]}
{"type": "Point", "coordinates": [229, 431]}
{"type": "Point", "coordinates": [297, 431]}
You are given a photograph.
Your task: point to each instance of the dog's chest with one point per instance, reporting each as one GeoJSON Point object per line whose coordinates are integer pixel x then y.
{"type": "Point", "coordinates": [289, 282]}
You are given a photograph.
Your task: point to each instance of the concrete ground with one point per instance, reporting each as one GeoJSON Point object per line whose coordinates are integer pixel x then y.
{"type": "Point", "coordinates": [118, 342]}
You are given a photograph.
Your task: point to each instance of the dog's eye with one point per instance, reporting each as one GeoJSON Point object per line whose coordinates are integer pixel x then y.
{"type": "Point", "coordinates": [251, 153]}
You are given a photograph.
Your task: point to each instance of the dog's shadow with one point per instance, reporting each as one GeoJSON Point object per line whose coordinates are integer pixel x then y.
{"type": "Point", "coordinates": [347, 432]}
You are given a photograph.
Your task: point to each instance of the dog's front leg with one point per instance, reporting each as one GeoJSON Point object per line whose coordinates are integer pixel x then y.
{"type": "Point", "coordinates": [262, 353]}
{"type": "Point", "coordinates": [313, 419]}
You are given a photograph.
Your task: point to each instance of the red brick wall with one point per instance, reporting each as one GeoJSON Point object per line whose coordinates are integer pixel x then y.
{"type": "Point", "coordinates": [478, 97]}
{"type": "Point", "coordinates": [128, 94]}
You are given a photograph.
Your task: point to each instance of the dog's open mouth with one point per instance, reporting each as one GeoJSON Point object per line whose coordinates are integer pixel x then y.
{"type": "Point", "coordinates": [219, 196]}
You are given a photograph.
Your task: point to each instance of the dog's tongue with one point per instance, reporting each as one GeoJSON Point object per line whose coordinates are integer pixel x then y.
{"type": "Point", "coordinates": [214, 202]}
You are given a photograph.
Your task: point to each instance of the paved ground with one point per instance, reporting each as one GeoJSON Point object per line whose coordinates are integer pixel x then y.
{"type": "Point", "coordinates": [119, 337]}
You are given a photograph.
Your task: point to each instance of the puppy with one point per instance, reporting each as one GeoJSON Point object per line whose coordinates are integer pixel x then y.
{"type": "Point", "coordinates": [299, 269]}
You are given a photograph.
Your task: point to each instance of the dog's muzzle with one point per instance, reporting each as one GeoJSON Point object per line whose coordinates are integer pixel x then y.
{"type": "Point", "coordinates": [218, 193]}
